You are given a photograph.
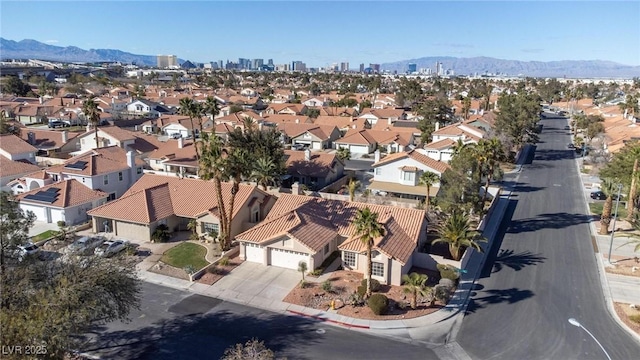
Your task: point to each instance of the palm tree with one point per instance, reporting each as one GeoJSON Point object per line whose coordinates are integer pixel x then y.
{"type": "Point", "coordinates": [211, 166]}
{"type": "Point", "coordinates": [457, 232]}
{"type": "Point", "coordinates": [249, 124]}
{"type": "Point", "coordinates": [210, 107]}
{"type": "Point", "coordinates": [458, 147]}
{"type": "Point", "coordinates": [192, 109]}
{"type": "Point", "coordinates": [343, 153]}
{"type": "Point", "coordinates": [466, 106]}
{"type": "Point", "coordinates": [490, 152]}
{"type": "Point", "coordinates": [367, 229]}
{"type": "Point", "coordinates": [302, 267]}
{"type": "Point", "coordinates": [414, 285]}
{"type": "Point", "coordinates": [237, 168]}
{"type": "Point", "coordinates": [192, 226]}
{"type": "Point", "coordinates": [428, 179]}
{"type": "Point", "coordinates": [352, 186]}
{"type": "Point", "coordinates": [608, 188]}
{"type": "Point", "coordinates": [263, 172]}
{"type": "Point", "coordinates": [92, 114]}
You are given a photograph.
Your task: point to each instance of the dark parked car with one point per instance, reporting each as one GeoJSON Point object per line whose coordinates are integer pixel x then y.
{"type": "Point", "coordinates": [571, 146]}
{"type": "Point", "coordinates": [598, 195]}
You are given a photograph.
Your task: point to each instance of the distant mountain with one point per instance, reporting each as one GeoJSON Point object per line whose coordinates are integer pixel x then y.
{"type": "Point", "coordinates": [482, 65]}
{"type": "Point", "coordinates": [32, 49]}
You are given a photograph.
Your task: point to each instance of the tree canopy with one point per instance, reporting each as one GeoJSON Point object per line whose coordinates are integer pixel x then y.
{"type": "Point", "coordinates": [518, 116]}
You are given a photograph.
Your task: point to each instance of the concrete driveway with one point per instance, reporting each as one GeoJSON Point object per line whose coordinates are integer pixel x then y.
{"type": "Point", "coordinates": [253, 282]}
{"type": "Point", "coordinates": [40, 226]}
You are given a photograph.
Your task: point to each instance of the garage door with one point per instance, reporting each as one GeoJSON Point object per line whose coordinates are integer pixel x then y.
{"type": "Point", "coordinates": [288, 259]}
{"type": "Point", "coordinates": [316, 145]}
{"type": "Point", "coordinates": [359, 149]}
{"type": "Point", "coordinates": [254, 253]}
{"type": "Point", "coordinates": [56, 215]}
{"type": "Point", "coordinates": [41, 212]}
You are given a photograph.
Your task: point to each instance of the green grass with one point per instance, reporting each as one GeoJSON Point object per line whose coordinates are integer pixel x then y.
{"type": "Point", "coordinates": [596, 208]}
{"type": "Point", "coordinates": [45, 235]}
{"type": "Point", "coordinates": [186, 254]}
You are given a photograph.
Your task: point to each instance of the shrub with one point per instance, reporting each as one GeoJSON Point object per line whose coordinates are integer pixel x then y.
{"type": "Point", "coordinates": [61, 224]}
{"type": "Point", "coordinates": [303, 284]}
{"type": "Point", "coordinates": [161, 233]}
{"type": "Point", "coordinates": [316, 272]}
{"type": "Point", "coordinates": [326, 286]}
{"type": "Point", "coordinates": [224, 261]}
{"type": "Point", "coordinates": [448, 272]}
{"type": "Point", "coordinates": [361, 291]}
{"type": "Point", "coordinates": [375, 284]}
{"type": "Point", "coordinates": [355, 299]}
{"type": "Point", "coordinates": [212, 269]}
{"type": "Point", "coordinates": [635, 318]}
{"type": "Point", "coordinates": [442, 294]}
{"type": "Point", "coordinates": [189, 269]}
{"type": "Point", "coordinates": [378, 303]}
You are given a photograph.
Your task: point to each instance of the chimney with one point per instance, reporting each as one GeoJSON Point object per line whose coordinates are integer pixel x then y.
{"type": "Point", "coordinates": [41, 100]}
{"type": "Point", "coordinates": [131, 159]}
{"type": "Point", "coordinates": [389, 121]}
{"type": "Point", "coordinates": [295, 189]}
{"type": "Point", "coordinates": [260, 126]}
{"type": "Point", "coordinates": [65, 136]}
{"type": "Point", "coordinates": [376, 156]}
{"type": "Point", "coordinates": [307, 155]}
{"type": "Point", "coordinates": [180, 142]}
{"type": "Point", "coordinates": [437, 125]}
{"type": "Point", "coordinates": [297, 121]}
{"type": "Point", "coordinates": [73, 101]}
{"type": "Point", "coordinates": [113, 100]}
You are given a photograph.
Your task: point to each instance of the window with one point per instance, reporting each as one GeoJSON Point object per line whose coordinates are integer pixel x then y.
{"type": "Point", "coordinates": [209, 227]}
{"type": "Point", "coordinates": [106, 180]}
{"type": "Point", "coordinates": [120, 176]}
{"type": "Point", "coordinates": [378, 171]}
{"type": "Point", "coordinates": [408, 176]}
{"type": "Point", "coordinates": [255, 216]}
{"type": "Point", "coordinates": [349, 258]}
{"type": "Point", "coordinates": [378, 269]}
{"type": "Point", "coordinates": [111, 197]}
{"type": "Point", "coordinates": [139, 170]}
{"type": "Point", "coordinates": [326, 249]}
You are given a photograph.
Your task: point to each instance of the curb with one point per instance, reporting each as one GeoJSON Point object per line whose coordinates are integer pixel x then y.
{"type": "Point", "coordinates": [322, 319]}
{"type": "Point", "coordinates": [606, 289]}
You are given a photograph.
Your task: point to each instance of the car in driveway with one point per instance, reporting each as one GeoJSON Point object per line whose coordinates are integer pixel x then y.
{"type": "Point", "coordinates": [85, 244]}
{"type": "Point", "coordinates": [110, 247]}
{"type": "Point", "coordinates": [600, 195]}
{"type": "Point", "coordinates": [22, 252]}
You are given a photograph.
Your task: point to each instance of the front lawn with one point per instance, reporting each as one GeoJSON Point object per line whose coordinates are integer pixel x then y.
{"type": "Point", "coordinates": [186, 254]}
{"type": "Point", "coordinates": [596, 209]}
{"type": "Point", "coordinates": [44, 235]}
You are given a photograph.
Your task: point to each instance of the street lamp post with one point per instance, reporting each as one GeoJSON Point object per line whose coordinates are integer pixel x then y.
{"type": "Point", "coordinates": [575, 322]}
{"type": "Point", "coordinates": [615, 217]}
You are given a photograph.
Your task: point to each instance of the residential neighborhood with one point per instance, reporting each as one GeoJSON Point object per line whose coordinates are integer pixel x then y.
{"type": "Point", "coordinates": [386, 203]}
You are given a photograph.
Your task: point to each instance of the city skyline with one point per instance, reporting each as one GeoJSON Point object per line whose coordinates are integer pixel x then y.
{"type": "Point", "coordinates": [354, 32]}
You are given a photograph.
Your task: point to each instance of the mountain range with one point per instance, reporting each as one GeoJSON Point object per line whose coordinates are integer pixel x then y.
{"type": "Point", "coordinates": [32, 49]}
{"type": "Point", "coordinates": [487, 65]}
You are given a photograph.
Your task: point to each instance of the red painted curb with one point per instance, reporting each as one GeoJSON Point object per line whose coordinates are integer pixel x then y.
{"type": "Point", "coordinates": [329, 320]}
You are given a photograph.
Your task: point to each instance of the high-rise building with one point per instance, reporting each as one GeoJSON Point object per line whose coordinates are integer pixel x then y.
{"type": "Point", "coordinates": [298, 66]}
{"type": "Point", "coordinates": [257, 64]}
{"type": "Point", "coordinates": [412, 68]}
{"type": "Point", "coordinates": [270, 62]}
{"type": "Point", "coordinates": [344, 66]}
{"type": "Point", "coordinates": [166, 61]}
{"type": "Point", "coordinates": [375, 68]}
{"type": "Point", "coordinates": [361, 68]}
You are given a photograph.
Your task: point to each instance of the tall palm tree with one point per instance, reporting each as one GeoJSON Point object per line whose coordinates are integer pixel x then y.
{"type": "Point", "coordinates": [367, 229]}
{"type": "Point", "coordinates": [211, 166]}
{"type": "Point", "coordinates": [192, 109]}
{"type": "Point", "coordinates": [211, 107]}
{"type": "Point", "coordinates": [456, 231]}
{"type": "Point", "coordinates": [608, 187]}
{"type": "Point", "coordinates": [466, 106]}
{"type": "Point", "coordinates": [237, 168]}
{"type": "Point", "coordinates": [92, 114]}
{"type": "Point", "coordinates": [491, 152]}
{"type": "Point", "coordinates": [415, 285]}
{"type": "Point", "coordinates": [263, 172]}
{"type": "Point", "coordinates": [458, 147]}
{"type": "Point", "coordinates": [428, 179]}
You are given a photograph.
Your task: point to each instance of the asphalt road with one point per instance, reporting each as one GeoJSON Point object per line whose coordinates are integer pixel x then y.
{"type": "Point", "coordinates": [544, 271]}
{"type": "Point", "coordinates": [174, 324]}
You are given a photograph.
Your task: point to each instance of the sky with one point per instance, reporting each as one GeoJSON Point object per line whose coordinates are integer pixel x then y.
{"type": "Point", "coordinates": [320, 33]}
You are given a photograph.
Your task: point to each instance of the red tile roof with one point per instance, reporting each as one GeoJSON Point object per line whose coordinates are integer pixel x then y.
{"type": "Point", "coordinates": [72, 193]}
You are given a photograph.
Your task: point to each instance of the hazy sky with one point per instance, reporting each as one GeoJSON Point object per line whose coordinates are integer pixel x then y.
{"type": "Point", "coordinates": [323, 32]}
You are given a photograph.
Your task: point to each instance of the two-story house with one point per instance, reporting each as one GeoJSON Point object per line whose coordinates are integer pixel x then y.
{"type": "Point", "coordinates": [142, 107]}
{"type": "Point", "coordinates": [400, 173]}
{"type": "Point", "coordinates": [315, 137]}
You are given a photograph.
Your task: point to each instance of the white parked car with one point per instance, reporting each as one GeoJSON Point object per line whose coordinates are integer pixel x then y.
{"type": "Point", "coordinates": [21, 252]}
{"type": "Point", "coordinates": [86, 243]}
{"type": "Point", "coordinates": [110, 247]}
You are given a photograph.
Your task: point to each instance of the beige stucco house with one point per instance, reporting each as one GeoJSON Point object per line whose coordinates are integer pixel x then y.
{"type": "Point", "coordinates": [172, 201]}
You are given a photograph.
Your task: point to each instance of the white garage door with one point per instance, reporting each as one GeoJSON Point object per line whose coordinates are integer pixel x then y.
{"type": "Point", "coordinates": [358, 149]}
{"type": "Point", "coordinates": [254, 253]}
{"type": "Point", "coordinates": [41, 212]}
{"type": "Point", "coordinates": [56, 215]}
{"type": "Point", "coordinates": [316, 145]}
{"type": "Point", "coordinates": [288, 259]}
